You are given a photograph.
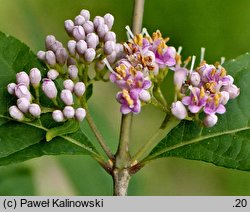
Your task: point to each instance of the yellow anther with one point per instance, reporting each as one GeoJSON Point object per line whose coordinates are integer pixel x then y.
{"type": "Point", "coordinates": [156, 35]}
{"type": "Point", "coordinates": [129, 81]}
{"type": "Point", "coordinates": [217, 99]}
{"type": "Point", "coordinates": [126, 96]}
{"type": "Point", "coordinates": [132, 71]}
{"type": "Point", "coordinates": [202, 92]}
{"type": "Point", "coordinates": [138, 39]}
{"type": "Point", "coordinates": [211, 86]}
{"type": "Point", "coordinates": [223, 72]}
{"type": "Point", "coordinates": [121, 70]}
{"type": "Point", "coordinates": [213, 72]}
{"type": "Point", "coordinates": [187, 60]}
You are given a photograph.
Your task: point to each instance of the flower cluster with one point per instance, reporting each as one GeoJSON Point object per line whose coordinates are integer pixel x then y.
{"type": "Point", "coordinates": [145, 56]}
{"type": "Point", "coordinates": [206, 89]}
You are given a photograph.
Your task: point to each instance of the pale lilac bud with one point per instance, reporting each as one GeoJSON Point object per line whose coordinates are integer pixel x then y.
{"type": "Point", "coordinates": [52, 74]}
{"type": "Point", "coordinates": [72, 47]}
{"type": "Point", "coordinates": [109, 47]}
{"type": "Point", "coordinates": [210, 120]}
{"type": "Point", "coordinates": [100, 65]}
{"type": "Point", "coordinates": [89, 55]}
{"type": "Point", "coordinates": [80, 114]}
{"type": "Point", "coordinates": [71, 61]}
{"type": "Point", "coordinates": [119, 49]}
{"type": "Point", "coordinates": [50, 58]}
{"type": "Point", "coordinates": [98, 20]}
{"type": "Point", "coordinates": [21, 90]}
{"type": "Point", "coordinates": [61, 56]}
{"type": "Point", "coordinates": [81, 47]}
{"type": "Point", "coordinates": [11, 88]}
{"type": "Point", "coordinates": [233, 91]}
{"type": "Point", "coordinates": [224, 97]}
{"type": "Point", "coordinates": [110, 36]}
{"type": "Point", "coordinates": [35, 110]}
{"type": "Point", "coordinates": [57, 115]}
{"type": "Point", "coordinates": [92, 40]}
{"type": "Point", "coordinates": [112, 57]}
{"type": "Point", "coordinates": [85, 14]}
{"type": "Point", "coordinates": [23, 77]}
{"type": "Point", "coordinates": [69, 25]}
{"type": "Point", "coordinates": [57, 45]}
{"type": "Point", "coordinates": [78, 33]}
{"type": "Point", "coordinates": [49, 88]}
{"type": "Point", "coordinates": [145, 96]}
{"type": "Point", "coordinates": [49, 41]}
{"type": "Point", "coordinates": [109, 20]}
{"type": "Point", "coordinates": [180, 76]}
{"type": "Point", "coordinates": [68, 112]}
{"type": "Point", "coordinates": [35, 77]}
{"type": "Point", "coordinates": [79, 89]}
{"type": "Point", "coordinates": [88, 27]}
{"type": "Point", "coordinates": [23, 104]}
{"type": "Point", "coordinates": [79, 20]}
{"type": "Point", "coordinates": [68, 84]}
{"type": "Point", "coordinates": [178, 110]}
{"type": "Point", "coordinates": [41, 55]}
{"type": "Point", "coordinates": [15, 113]}
{"type": "Point", "coordinates": [195, 78]}
{"type": "Point", "coordinates": [102, 30]}
{"type": "Point", "coordinates": [73, 71]}
{"type": "Point", "coordinates": [67, 97]}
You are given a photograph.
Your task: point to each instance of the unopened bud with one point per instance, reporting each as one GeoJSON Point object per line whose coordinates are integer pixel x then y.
{"type": "Point", "coordinates": [35, 77]}
{"type": "Point", "coordinates": [102, 30]}
{"type": "Point", "coordinates": [15, 113]}
{"type": "Point", "coordinates": [98, 20]}
{"type": "Point", "coordinates": [57, 45]}
{"type": "Point", "coordinates": [119, 49]}
{"type": "Point", "coordinates": [110, 36]}
{"type": "Point", "coordinates": [233, 91]}
{"type": "Point", "coordinates": [81, 47]}
{"type": "Point", "coordinates": [178, 110]}
{"type": "Point", "coordinates": [224, 97]}
{"type": "Point", "coordinates": [11, 88]}
{"type": "Point", "coordinates": [109, 47]}
{"type": "Point", "coordinates": [49, 41]}
{"type": "Point", "coordinates": [85, 14]}
{"type": "Point", "coordinates": [67, 97]}
{"type": "Point", "coordinates": [88, 27]}
{"type": "Point", "coordinates": [109, 20]}
{"type": "Point", "coordinates": [100, 65]}
{"type": "Point", "coordinates": [68, 84]}
{"type": "Point", "coordinates": [52, 74]}
{"type": "Point", "coordinates": [41, 55]}
{"type": "Point", "coordinates": [210, 120]}
{"type": "Point", "coordinates": [78, 33]}
{"type": "Point", "coordinates": [50, 58]}
{"type": "Point", "coordinates": [180, 76]}
{"type": "Point", "coordinates": [61, 56]}
{"type": "Point", "coordinates": [79, 20]}
{"type": "Point", "coordinates": [79, 89]}
{"type": "Point", "coordinates": [92, 40]}
{"type": "Point", "coordinates": [35, 110]}
{"type": "Point", "coordinates": [49, 88]}
{"type": "Point", "coordinates": [57, 115]}
{"type": "Point", "coordinates": [69, 25]}
{"type": "Point", "coordinates": [23, 77]}
{"type": "Point", "coordinates": [112, 57]}
{"type": "Point", "coordinates": [80, 114]}
{"type": "Point", "coordinates": [73, 72]}
{"type": "Point", "coordinates": [145, 96]}
{"type": "Point", "coordinates": [68, 112]}
{"type": "Point", "coordinates": [21, 91]}
{"type": "Point", "coordinates": [89, 55]}
{"type": "Point", "coordinates": [71, 61]}
{"type": "Point", "coordinates": [195, 78]}
{"type": "Point", "coordinates": [72, 47]}
{"type": "Point", "coordinates": [23, 104]}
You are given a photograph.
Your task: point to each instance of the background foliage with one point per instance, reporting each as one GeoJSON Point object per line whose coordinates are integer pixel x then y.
{"type": "Point", "coordinates": [222, 26]}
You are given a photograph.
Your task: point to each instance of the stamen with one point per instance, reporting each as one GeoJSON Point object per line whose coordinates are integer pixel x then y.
{"type": "Point", "coordinates": [192, 64]}
{"type": "Point", "coordinates": [186, 62]}
{"type": "Point", "coordinates": [222, 60]}
{"type": "Point", "coordinates": [202, 54]}
{"type": "Point", "coordinates": [179, 50]}
{"type": "Point", "coordinates": [129, 32]}
{"type": "Point", "coordinates": [109, 66]}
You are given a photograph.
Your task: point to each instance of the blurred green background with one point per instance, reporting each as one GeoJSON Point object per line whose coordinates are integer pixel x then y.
{"type": "Point", "coordinates": [221, 26]}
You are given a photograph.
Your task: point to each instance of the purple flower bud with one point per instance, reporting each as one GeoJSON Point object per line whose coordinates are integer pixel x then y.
{"type": "Point", "coordinates": [35, 77]}
{"type": "Point", "coordinates": [21, 90]}
{"type": "Point", "coordinates": [57, 45]}
{"type": "Point", "coordinates": [109, 47]}
{"type": "Point", "coordinates": [69, 25]}
{"type": "Point", "coordinates": [61, 56]}
{"type": "Point", "coordinates": [100, 65]}
{"type": "Point", "coordinates": [79, 20]}
{"type": "Point", "coordinates": [98, 20]}
{"type": "Point", "coordinates": [11, 88]}
{"type": "Point", "coordinates": [67, 97]}
{"type": "Point", "coordinates": [195, 78]}
{"type": "Point", "coordinates": [112, 57]}
{"type": "Point", "coordinates": [224, 97]}
{"type": "Point", "coordinates": [23, 77]}
{"type": "Point", "coordinates": [68, 84]}
{"type": "Point", "coordinates": [233, 91]}
{"type": "Point", "coordinates": [79, 89]}
{"type": "Point", "coordinates": [23, 104]}
{"type": "Point", "coordinates": [57, 115]}
{"type": "Point", "coordinates": [178, 110]}
{"type": "Point", "coordinates": [85, 14]}
{"type": "Point", "coordinates": [50, 58]}
{"type": "Point", "coordinates": [92, 40]}
{"type": "Point", "coordinates": [73, 72]}
{"type": "Point", "coordinates": [110, 36]}
{"type": "Point", "coordinates": [80, 114]}
{"type": "Point", "coordinates": [41, 55]}
{"type": "Point", "coordinates": [72, 47]}
{"type": "Point", "coordinates": [68, 112]}
{"type": "Point", "coordinates": [52, 74]}
{"type": "Point", "coordinates": [15, 113]}
{"type": "Point", "coordinates": [180, 76]}
{"type": "Point", "coordinates": [71, 61]}
{"type": "Point", "coordinates": [102, 30]}
{"type": "Point", "coordinates": [49, 88]}
{"type": "Point", "coordinates": [81, 47]}
{"type": "Point", "coordinates": [35, 110]}
{"type": "Point", "coordinates": [109, 20]}
{"type": "Point", "coordinates": [88, 27]}
{"type": "Point", "coordinates": [210, 120]}
{"type": "Point", "coordinates": [78, 33]}
{"type": "Point", "coordinates": [144, 96]}
{"type": "Point", "coordinates": [119, 50]}
{"type": "Point", "coordinates": [89, 55]}
{"type": "Point", "coordinates": [49, 41]}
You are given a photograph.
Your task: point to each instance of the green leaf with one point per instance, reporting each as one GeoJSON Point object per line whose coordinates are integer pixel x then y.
{"type": "Point", "coordinates": [227, 144]}
{"type": "Point", "coordinates": [89, 91]}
